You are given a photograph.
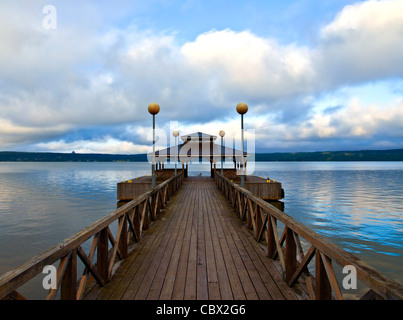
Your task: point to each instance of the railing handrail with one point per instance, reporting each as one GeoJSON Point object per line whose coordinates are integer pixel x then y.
{"type": "Point", "coordinates": [376, 281]}
{"type": "Point", "coordinates": [14, 279]}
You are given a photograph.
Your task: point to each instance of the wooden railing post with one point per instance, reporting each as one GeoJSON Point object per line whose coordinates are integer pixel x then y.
{"type": "Point", "coordinates": [145, 215]}
{"type": "Point", "coordinates": [123, 241]}
{"type": "Point", "coordinates": [323, 288]}
{"type": "Point", "coordinates": [258, 223]}
{"type": "Point", "coordinates": [250, 214]}
{"type": "Point", "coordinates": [290, 254]}
{"type": "Point", "coordinates": [69, 281]}
{"type": "Point", "coordinates": [102, 254]}
{"type": "Point", "coordinates": [271, 241]}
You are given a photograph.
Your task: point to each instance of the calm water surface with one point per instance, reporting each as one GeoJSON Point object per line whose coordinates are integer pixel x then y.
{"type": "Point", "coordinates": [357, 205]}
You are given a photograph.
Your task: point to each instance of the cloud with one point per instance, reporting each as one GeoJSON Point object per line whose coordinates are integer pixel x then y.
{"type": "Point", "coordinates": [58, 84]}
{"type": "Point", "coordinates": [372, 16]}
{"type": "Point", "coordinates": [242, 63]}
{"type": "Point", "coordinates": [12, 135]}
{"type": "Point", "coordinates": [104, 145]}
{"type": "Point", "coordinates": [344, 126]}
{"type": "Point", "coordinates": [363, 43]}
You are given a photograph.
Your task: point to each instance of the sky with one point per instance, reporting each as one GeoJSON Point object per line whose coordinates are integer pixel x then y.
{"type": "Point", "coordinates": [316, 75]}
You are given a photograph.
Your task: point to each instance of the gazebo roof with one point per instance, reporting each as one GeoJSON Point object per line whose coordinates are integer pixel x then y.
{"type": "Point", "coordinates": [198, 146]}
{"type": "Point", "coordinates": [198, 136]}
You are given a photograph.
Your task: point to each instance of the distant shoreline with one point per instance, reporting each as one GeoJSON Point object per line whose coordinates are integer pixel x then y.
{"type": "Point", "coordinates": [363, 155]}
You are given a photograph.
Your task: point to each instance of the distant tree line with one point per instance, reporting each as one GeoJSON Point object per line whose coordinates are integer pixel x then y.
{"type": "Point", "coordinates": [69, 157]}
{"type": "Point", "coordinates": [365, 155]}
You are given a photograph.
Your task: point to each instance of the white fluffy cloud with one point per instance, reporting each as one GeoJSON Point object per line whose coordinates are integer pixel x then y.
{"type": "Point", "coordinates": [356, 120]}
{"type": "Point", "coordinates": [363, 43]}
{"type": "Point", "coordinates": [372, 16]}
{"type": "Point", "coordinates": [240, 63]}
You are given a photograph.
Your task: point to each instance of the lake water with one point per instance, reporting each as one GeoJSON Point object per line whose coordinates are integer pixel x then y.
{"type": "Point", "coordinates": [357, 205]}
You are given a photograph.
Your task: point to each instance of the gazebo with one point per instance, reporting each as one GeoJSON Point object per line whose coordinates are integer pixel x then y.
{"type": "Point", "coordinates": [198, 146]}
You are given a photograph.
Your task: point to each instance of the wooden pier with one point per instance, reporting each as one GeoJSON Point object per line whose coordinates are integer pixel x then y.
{"type": "Point", "coordinates": [264, 188]}
{"type": "Point", "coordinates": [198, 249]}
{"type": "Point", "coordinates": [198, 238]}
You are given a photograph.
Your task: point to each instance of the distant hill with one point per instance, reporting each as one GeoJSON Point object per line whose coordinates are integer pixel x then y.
{"type": "Point", "coordinates": [364, 155]}
{"type": "Point", "coordinates": [69, 157]}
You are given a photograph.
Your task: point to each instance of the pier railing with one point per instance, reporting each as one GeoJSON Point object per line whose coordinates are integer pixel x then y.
{"type": "Point", "coordinates": [132, 218]}
{"type": "Point", "coordinates": [282, 236]}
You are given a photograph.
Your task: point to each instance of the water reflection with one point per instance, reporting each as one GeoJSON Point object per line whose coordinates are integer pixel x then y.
{"type": "Point", "coordinates": [358, 206]}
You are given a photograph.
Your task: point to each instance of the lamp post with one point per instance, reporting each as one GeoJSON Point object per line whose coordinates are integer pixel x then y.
{"type": "Point", "coordinates": [242, 108]}
{"type": "Point", "coordinates": [222, 134]}
{"type": "Point", "coordinates": [153, 109]}
{"type": "Point", "coordinates": [176, 134]}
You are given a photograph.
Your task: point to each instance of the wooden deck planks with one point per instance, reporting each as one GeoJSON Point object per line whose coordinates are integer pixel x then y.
{"type": "Point", "coordinates": [179, 282]}
{"type": "Point", "coordinates": [173, 267]}
{"type": "Point", "coordinates": [196, 249]}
